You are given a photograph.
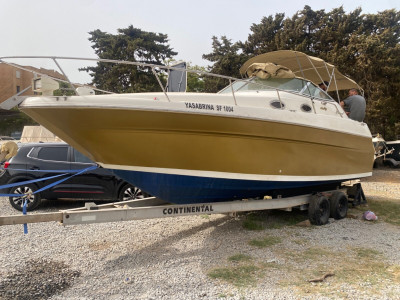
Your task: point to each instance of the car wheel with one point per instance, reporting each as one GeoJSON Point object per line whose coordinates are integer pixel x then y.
{"type": "Point", "coordinates": [33, 200]}
{"type": "Point", "coordinates": [130, 192]}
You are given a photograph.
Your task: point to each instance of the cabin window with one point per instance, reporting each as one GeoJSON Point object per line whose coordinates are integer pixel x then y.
{"type": "Point", "coordinates": [306, 108]}
{"type": "Point", "coordinates": [18, 74]}
{"type": "Point", "coordinates": [277, 104]}
{"type": "Point", "coordinates": [18, 89]}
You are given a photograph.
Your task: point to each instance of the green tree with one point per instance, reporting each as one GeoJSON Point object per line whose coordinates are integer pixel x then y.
{"type": "Point", "coordinates": [14, 122]}
{"type": "Point", "coordinates": [377, 68]}
{"type": "Point", "coordinates": [227, 61]}
{"type": "Point", "coordinates": [265, 37]}
{"type": "Point", "coordinates": [365, 47]}
{"type": "Point", "coordinates": [64, 90]}
{"type": "Point", "coordinates": [130, 44]}
{"type": "Point", "coordinates": [195, 82]}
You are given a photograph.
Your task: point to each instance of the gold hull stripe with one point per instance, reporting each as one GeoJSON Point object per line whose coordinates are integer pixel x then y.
{"type": "Point", "coordinates": [170, 140]}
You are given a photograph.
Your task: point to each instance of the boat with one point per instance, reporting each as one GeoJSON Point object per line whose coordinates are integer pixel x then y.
{"type": "Point", "coordinates": [386, 153]}
{"type": "Point", "coordinates": [270, 133]}
{"type": "Point", "coordinates": [395, 145]}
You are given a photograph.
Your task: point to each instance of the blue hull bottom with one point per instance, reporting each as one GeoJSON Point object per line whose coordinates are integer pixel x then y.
{"type": "Point", "coordinates": [182, 189]}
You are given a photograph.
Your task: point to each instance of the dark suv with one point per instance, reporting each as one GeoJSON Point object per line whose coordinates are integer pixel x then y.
{"type": "Point", "coordinates": [98, 184]}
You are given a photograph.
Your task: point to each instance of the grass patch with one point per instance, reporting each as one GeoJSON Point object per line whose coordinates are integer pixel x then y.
{"type": "Point", "coordinates": [239, 276]}
{"type": "Point", "coordinates": [367, 253]}
{"type": "Point", "coordinates": [272, 265]}
{"type": "Point", "coordinates": [207, 217]}
{"type": "Point", "coordinates": [300, 242]}
{"type": "Point", "coordinates": [274, 219]}
{"type": "Point", "coordinates": [266, 242]}
{"type": "Point", "coordinates": [388, 211]}
{"type": "Point", "coordinates": [239, 258]}
{"type": "Point", "coordinates": [255, 221]}
{"type": "Point", "coordinates": [316, 253]}
{"type": "Point", "coordinates": [280, 219]}
{"type": "Point", "coordinates": [352, 268]}
{"type": "Point", "coordinates": [310, 255]}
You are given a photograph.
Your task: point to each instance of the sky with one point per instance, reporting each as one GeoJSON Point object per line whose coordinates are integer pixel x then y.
{"type": "Point", "coordinates": [61, 28]}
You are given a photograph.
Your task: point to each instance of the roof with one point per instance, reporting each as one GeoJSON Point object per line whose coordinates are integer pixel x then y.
{"type": "Point", "coordinates": [309, 67]}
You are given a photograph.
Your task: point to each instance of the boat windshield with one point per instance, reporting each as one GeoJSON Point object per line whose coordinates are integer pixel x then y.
{"type": "Point", "coordinates": [295, 85]}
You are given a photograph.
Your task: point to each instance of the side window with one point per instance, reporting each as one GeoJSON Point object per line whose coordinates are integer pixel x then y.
{"type": "Point", "coordinates": [53, 153]}
{"type": "Point", "coordinates": [79, 157]}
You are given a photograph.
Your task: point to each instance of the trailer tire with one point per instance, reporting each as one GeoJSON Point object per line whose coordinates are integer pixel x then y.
{"type": "Point", "coordinates": [339, 205]}
{"type": "Point", "coordinates": [18, 202]}
{"type": "Point", "coordinates": [319, 210]}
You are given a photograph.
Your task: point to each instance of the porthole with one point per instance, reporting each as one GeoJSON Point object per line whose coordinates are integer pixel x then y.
{"type": "Point", "coordinates": [277, 104]}
{"type": "Point", "coordinates": [306, 108]}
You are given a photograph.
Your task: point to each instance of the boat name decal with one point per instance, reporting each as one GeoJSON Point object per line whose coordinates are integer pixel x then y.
{"type": "Point", "coordinates": [202, 106]}
{"type": "Point", "coordinates": [187, 210]}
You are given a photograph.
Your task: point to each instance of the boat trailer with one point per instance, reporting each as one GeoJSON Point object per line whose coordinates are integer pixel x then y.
{"type": "Point", "coordinates": [321, 206]}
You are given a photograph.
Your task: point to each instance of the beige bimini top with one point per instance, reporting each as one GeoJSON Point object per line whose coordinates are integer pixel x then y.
{"type": "Point", "coordinates": [302, 65]}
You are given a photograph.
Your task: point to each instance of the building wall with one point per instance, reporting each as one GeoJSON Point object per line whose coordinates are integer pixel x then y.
{"type": "Point", "coordinates": [9, 81]}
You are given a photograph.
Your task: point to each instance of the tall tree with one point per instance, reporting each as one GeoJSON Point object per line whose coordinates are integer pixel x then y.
{"type": "Point", "coordinates": [227, 61]}
{"type": "Point", "coordinates": [265, 37]}
{"type": "Point", "coordinates": [195, 82]}
{"type": "Point", "coordinates": [377, 69]}
{"type": "Point", "coordinates": [365, 47]}
{"type": "Point", "coordinates": [130, 44]}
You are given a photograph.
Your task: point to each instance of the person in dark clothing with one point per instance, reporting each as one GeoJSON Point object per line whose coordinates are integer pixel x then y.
{"type": "Point", "coordinates": [355, 104]}
{"type": "Point", "coordinates": [323, 85]}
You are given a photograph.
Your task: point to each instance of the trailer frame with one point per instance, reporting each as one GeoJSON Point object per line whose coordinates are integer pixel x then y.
{"type": "Point", "coordinates": [152, 207]}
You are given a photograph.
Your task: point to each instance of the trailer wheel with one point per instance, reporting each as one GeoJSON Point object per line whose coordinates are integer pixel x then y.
{"type": "Point", "coordinates": [318, 210]}
{"type": "Point", "coordinates": [18, 202]}
{"type": "Point", "coordinates": [339, 205]}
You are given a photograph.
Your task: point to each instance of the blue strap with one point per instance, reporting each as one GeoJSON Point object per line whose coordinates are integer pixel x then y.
{"type": "Point", "coordinates": [24, 213]}
{"type": "Point", "coordinates": [10, 185]}
{"type": "Point", "coordinates": [24, 207]}
{"type": "Point", "coordinates": [42, 179]}
{"type": "Point", "coordinates": [62, 180]}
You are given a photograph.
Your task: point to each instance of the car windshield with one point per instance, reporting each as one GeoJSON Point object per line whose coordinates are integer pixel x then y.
{"type": "Point", "coordinates": [296, 85]}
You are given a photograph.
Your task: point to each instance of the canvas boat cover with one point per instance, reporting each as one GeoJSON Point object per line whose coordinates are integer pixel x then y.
{"type": "Point", "coordinates": [302, 65]}
{"type": "Point", "coordinates": [268, 70]}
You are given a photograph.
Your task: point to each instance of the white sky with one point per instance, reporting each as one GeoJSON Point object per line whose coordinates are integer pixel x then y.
{"type": "Point", "coordinates": [60, 28]}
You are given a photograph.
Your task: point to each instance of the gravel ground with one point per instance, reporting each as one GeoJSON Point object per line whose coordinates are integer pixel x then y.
{"type": "Point", "coordinates": [171, 258]}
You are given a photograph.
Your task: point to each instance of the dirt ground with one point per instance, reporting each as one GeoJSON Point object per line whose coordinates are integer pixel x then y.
{"type": "Point", "coordinates": [384, 174]}
{"type": "Point", "coordinates": [210, 257]}
{"type": "Point", "coordinates": [383, 185]}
